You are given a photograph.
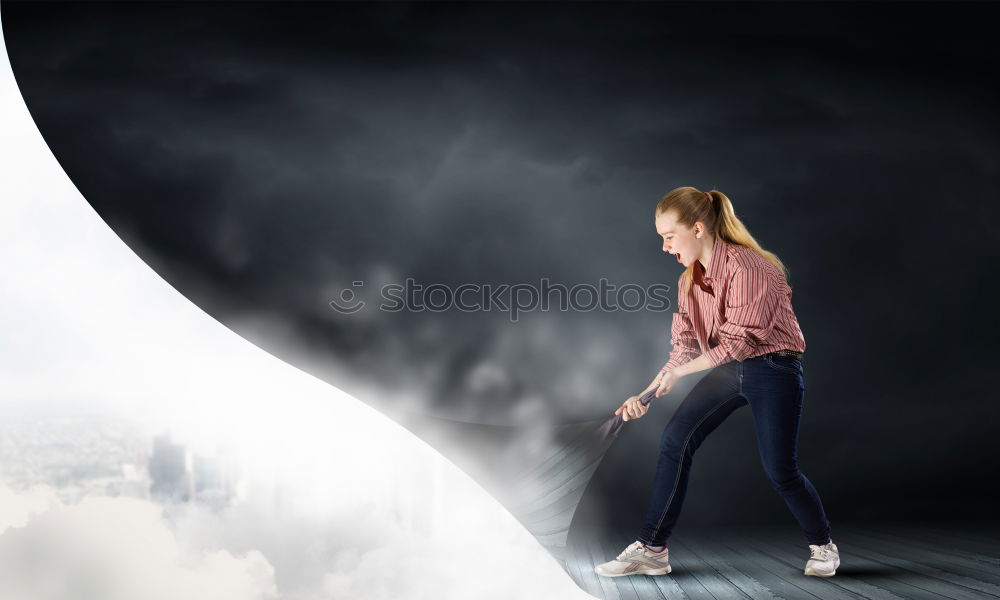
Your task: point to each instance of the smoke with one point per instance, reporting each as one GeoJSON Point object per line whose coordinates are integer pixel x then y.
{"type": "Point", "coordinates": [333, 486]}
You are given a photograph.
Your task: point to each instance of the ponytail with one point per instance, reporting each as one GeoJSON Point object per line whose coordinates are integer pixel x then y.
{"type": "Point", "coordinates": [715, 210]}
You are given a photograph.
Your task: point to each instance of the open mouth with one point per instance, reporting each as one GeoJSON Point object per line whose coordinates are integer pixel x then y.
{"type": "Point", "coordinates": [678, 257]}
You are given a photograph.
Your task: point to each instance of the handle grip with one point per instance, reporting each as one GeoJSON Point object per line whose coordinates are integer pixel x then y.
{"type": "Point", "coordinates": [647, 397]}
{"type": "Point", "coordinates": [614, 425]}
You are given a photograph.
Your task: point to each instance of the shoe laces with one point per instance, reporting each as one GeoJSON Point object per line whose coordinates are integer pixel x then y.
{"type": "Point", "coordinates": [633, 549]}
{"type": "Point", "coordinates": [821, 552]}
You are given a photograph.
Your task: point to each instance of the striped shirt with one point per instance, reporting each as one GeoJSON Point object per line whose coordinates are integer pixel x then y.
{"type": "Point", "coordinates": [746, 313]}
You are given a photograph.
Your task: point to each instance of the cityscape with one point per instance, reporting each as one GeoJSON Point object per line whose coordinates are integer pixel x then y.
{"type": "Point", "coordinates": [80, 456]}
{"type": "Point", "coordinates": [77, 456]}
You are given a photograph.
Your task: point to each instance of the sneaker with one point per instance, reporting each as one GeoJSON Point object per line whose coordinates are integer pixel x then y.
{"type": "Point", "coordinates": [636, 559]}
{"type": "Point", "coordinates": [823, 560]}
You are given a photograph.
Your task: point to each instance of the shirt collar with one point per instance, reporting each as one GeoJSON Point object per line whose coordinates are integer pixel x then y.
{"type": "Point", "coordinates": [717, 264]}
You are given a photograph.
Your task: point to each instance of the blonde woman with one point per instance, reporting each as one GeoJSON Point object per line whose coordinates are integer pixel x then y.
{"type": "Point", "coordinates": [734, 316]}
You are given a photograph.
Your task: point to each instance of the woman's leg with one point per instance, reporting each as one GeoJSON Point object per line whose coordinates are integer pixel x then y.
{"type": "Point", "coordinates": [707, 405]}
{"type": "Point", "coordinates": [775, 388]}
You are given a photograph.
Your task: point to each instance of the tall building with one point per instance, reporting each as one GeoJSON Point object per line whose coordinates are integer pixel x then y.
{"type": "Point", "coordinates": [170, 471]}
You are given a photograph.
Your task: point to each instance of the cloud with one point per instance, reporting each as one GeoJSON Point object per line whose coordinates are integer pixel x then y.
{"type": "Point", "coordinates": [117, 549]}
{"type": "Point", "coordinates": [16, 509]}
{"type": "Point", "coordinates": [408, 561]}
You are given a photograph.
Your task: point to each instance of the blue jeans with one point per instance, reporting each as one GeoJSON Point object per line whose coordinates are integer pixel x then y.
{"type": "Point", "coordinates": [773, 386]}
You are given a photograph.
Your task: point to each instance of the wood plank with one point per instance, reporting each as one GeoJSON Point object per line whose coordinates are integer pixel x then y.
{"type": "Point", "coordinates": [575, 568]}
{"type": "Point", "coordinates": [984, 535]}
{"type": "Point", "coordinates": [934, 555]}
{"type": "Point", "coordinates": [988, 553]}
{"type": "Point", "coordinates": [989, 559]}
{"type": "Point", "coordinates": [693, 575]}
{"type": "Point", "coordinates": [875, 583]}
{"type": "Point", "coordinates": [933, 578]}
{"type": "Point", "coordinates": [708, 574]}
{"type": "Point", "coordinates": [586, 562]}
{"type": "Point", "coordinates": [597, 556]}
{"type": "Point", "coordinates": [682, 586]}
{"type": "Point", "coordinates": [791, 566]}
{"type": "Point", "coordinates": [896, 571]}
{"type": "Point", "coordinates": [730, 569]}
{"type": "Point", "coordinates": [681, 583]}
{"type": "Point", "coordinates": [788, 580]}
{"type": "Point", "coordinates": [645, 587]}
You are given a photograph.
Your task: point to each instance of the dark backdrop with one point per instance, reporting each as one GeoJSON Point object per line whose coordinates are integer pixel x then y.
{"type": "Point", "coordinates": [263, 157]}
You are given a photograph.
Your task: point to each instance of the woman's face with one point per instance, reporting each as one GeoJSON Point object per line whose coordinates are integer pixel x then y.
{"type": "Point", "coordinates": [683, 242]}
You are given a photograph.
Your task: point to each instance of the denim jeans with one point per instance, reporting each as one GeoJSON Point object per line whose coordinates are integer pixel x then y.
{"type": "Point", "coordinates": [774, 387]}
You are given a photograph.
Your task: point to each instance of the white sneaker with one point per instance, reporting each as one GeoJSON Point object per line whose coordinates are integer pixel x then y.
{"type": "Point", "coordinates": [636, 559]}
{"type": "Point", "coordinates": [824, 560]}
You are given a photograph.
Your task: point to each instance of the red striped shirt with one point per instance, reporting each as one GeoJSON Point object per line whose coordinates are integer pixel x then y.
{"type": "Point", "coordinates": [747, 313]}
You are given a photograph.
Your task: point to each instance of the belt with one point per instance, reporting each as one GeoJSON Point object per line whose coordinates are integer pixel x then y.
{"type": "Point", "coordinates": [789, 353]}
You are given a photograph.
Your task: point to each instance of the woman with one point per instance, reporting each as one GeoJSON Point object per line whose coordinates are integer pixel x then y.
{"type": "Point", "coordinates": [734, 316]}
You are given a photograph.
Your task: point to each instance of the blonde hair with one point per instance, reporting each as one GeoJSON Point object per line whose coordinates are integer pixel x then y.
{"type": "Point", "coordinates": [715, 210]}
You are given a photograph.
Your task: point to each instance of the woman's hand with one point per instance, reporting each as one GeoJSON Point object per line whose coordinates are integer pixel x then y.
{"type": "Point", "coordinates": [667, 383]}
{"type": "Point", "coordinates": [633, 408]}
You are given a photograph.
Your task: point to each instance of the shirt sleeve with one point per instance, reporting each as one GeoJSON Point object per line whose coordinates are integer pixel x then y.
{"type": "Point", "coordinates": [682, 335]}
{"type": "Point", "coordinates": [750, 310]}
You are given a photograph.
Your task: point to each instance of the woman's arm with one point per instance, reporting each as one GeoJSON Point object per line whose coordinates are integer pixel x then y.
{"type": "Point", "coordinates": [750, 307]}
{"type": "Point", "coordinates": [750, 315]}
{"type": "Point", "coordinates": [699, 364]}
{"type": "Point", "coordinates": [682, 335]}
{"type": "Point", "coordinates": [692, 366]}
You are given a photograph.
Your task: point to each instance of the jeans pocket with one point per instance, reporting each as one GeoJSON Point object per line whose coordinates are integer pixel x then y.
{"type": "Point", "coordinates": [786, 364]}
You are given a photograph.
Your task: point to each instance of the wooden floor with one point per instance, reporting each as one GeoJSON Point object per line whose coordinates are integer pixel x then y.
{"type": "Point", "coordinates": [901, 562]}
